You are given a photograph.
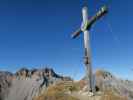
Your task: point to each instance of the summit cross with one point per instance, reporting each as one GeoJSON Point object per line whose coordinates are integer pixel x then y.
{"type": "Point", "coordinates": [85, 27]}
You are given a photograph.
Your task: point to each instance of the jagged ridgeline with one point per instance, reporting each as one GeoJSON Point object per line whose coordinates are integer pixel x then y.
{"type": "Point", "coordinates": [26, 84]}
{"type": "Point", "coordinates": [45, 84]}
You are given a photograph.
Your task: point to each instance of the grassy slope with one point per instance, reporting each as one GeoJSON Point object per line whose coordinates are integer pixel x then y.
{"type": "Point", "coordinates": [59, 92]}
{"type": "Point", "coordinates": [109, 95]}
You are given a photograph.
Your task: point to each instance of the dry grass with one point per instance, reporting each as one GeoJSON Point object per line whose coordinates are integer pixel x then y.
{"type": "Point", "coordinates": [109, 95]}
{"type": "Point", "coordinates": [60, 92]}
{"type": "Point", "coordinates": [57, 92]}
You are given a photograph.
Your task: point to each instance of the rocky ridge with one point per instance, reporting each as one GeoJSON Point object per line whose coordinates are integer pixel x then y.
{"type": "Point", "coordinates": [105, 81]}
{"type": "Point", "coordinates": [26, 84]}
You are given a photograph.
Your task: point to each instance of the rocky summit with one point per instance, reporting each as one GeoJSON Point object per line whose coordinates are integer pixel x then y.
{"type": "Point", "coordinates": [108, 83]}
{"type": "Point", "coordinates": [26, 84]}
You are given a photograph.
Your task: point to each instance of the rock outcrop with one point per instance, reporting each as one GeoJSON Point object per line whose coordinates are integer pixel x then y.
{"type": "Point", "coordinates": [26, 84]}
{"type": "Point", "coordinates": [5, 83]}
{"type": "Point", "coordinates": [109, 81]}
{"type": "Point", "coordinates": [105, 81]}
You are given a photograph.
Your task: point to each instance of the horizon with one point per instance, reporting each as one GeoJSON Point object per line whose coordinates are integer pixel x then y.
{"type": "Point", "coordinates": [36, 33]}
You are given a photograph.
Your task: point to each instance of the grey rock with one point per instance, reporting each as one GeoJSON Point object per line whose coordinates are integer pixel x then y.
{"type": "Point", "coordinates": [26, 84]}
{"type": "Point", "coordinates": [106, 81]}
{"type": "Point", "coordinates": [5, 83]}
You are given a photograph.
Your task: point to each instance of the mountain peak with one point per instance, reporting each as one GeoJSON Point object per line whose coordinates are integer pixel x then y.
{"type": "Point", "coordinates": [30, 82]}
{"type": "Point", "coordinates": [40, 73]}
{"type": "Point", "coordinates": [104, 74]}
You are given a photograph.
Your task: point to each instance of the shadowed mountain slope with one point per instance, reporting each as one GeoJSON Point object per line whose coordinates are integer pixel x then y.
{"type": "Point", "coordinates": [26, 84]}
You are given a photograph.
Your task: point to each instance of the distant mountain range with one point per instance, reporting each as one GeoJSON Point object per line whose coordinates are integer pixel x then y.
{"type": "Point", "coordinates": [26, 84]}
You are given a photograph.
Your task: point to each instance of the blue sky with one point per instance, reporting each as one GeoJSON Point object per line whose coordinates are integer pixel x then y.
{"type": "Point", "coordinates": [35, 33]}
